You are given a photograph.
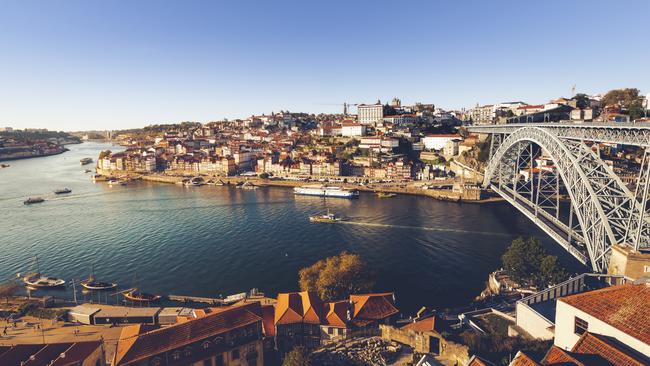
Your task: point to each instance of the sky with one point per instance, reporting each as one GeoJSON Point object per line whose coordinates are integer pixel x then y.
{"type": "Point", "coordinates": [84, 65]}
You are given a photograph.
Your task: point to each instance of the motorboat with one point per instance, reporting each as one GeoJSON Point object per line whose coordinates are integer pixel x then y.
{"type": "Point", "coordinates": [32, 200]}
{"type": "Point", "coordinates": [38, 280]}
{"type": "Point", "coordinates": [85, 161]}
{"type": "Point", "coordinates": [386, 195]}
{"type": "Point", "coordinates": [63, 191]}
{"type": "Point", "coordinates": [326, 218]}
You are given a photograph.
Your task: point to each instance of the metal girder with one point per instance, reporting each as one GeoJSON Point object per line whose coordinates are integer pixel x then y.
{"type": "Point", "coordinates": [602, 204]}
{"type": "Point", "coordinates": [615, 133]}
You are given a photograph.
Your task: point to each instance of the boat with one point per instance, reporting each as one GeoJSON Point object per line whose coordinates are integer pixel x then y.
{"type": "Point", "coordinates": [88, 171]}
{"type": "Point", "coordinates": [135, 295]}
{"type": "Point", "coordinates": [327, 218]}
{"type": "Point", "coordinates": [32, 200]}
{"type": "Point", "coordinates": [112, 182]}
{"type": "Point", "coordinates": [86, 161]}
{"type": "Point", "coordinates": [63, 191]}
{"type": "Point", "coordinates": [4, 165]}
{"type": "Point", "coordinates": [326, 191]}
{"type": "Point", "coordinates": [91, 283]}
{"type": "Point", "coordinates": [194, 182]}
{"type": "Point", "coordinates": [386, 194]}
{"type": "Point", "coordinates": [35, 280]}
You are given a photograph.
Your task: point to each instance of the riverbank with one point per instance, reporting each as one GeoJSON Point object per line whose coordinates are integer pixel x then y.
{"type": "Point", "coordinates": [19, 155]}
{"type": "Point", "coordinates": [466, 196]}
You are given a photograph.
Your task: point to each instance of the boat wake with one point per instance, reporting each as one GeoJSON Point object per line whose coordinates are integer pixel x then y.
{"type": "Point", "coordinates": [425, 228]}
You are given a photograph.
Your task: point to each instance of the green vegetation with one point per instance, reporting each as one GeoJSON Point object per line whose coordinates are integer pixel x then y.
{"type": "Point", "coordinates": [527, 262]}
{"type": "Point", "coordinates": [297, 357]}
{"type": "Point", "coordinates": [264, 175]}
{"type": "Point", "coordinates": [628, 99]}
{"type": "Point", "coordinates": [337, 277]}
{"type": "Point", "coordinates": [104, 154]}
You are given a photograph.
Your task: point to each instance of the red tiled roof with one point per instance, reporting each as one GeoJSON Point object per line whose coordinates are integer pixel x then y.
{"type": "Point", "coordinates": [175, 336]}
{"type": "Point", "coordinates": [429, 324]}
{"type": "Point", "coordinates": [373, 306]}
{"type": "Point", "coordinates": [557, 356]}
{"type": "Point", "coordinates": [297, 307]}
{"type": "Point", "coordinates": [268, 312]}
{"type": "Point", "coordinates": [47, 354]}
{"type": "Point", "coordinates": [522, 359]}
{"type": "Point", "coordinates": [335, 313]}
{"type": "Point", "coordinates": [624, 307]}
{"type": "Point", "coordinates": [478, 361]}
{"type": "Point", "coordinates": [600, 348]}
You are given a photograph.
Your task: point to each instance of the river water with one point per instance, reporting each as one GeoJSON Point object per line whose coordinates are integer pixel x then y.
{"type": "Point", "coordinates": [211, 241]}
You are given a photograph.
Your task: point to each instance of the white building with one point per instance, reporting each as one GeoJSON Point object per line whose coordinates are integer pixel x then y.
{"type": "Point", "coordinates": [438, 142]}
{"type": "Point", "coordinates": [619, 312]}
{"type": "Point", "coordinates": [350, 129]}
{"type": "Point", "coordinates": [368, 114]}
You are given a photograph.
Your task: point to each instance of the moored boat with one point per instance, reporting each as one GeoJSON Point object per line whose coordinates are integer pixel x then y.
{"type": "Point", "coordinates": [38, 280]}
{"type": "Point", "coordinates": [4, 165]}
{"type": "Point", "coordinates": [63, 191]}
{"type": "Point", "coordinates": [92, 284]}
{"type": "Point", "coordinates": [112, 182]}
{"type": "Point", "coordinates": [326, 191]}
{"type": "Point", "coordinates": [386, 194]}
{"type": "Point", "coordinates": [32, 200]}
{"type": "Point", "coordinates": [138, 296]}
{"type": "Point", "coordinates": [86, 161]}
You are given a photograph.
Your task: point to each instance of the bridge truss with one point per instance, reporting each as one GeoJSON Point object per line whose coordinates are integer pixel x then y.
{"type": "Point", "coordinates": [578, 200]}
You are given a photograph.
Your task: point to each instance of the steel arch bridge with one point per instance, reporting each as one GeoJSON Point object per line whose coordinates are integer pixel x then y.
{"type": "Point", "coordinates": [601, 211]}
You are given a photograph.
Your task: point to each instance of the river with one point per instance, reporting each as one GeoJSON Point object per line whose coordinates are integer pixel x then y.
{"type": "Point", "coordinates": [211, 241]}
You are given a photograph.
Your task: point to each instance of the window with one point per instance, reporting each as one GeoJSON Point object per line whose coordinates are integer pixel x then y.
{"type": "Point", "coordinates": [235, 354]}
{"type": "Point", "coordinates": [176, 355]}
{"type": "Point", "coordinates": [218, 361]}
{"type": "Point", "coordinates": [156, 361]}
{"type": "Point", "coordinates": [206, 345]}
{"type": "Point", "coordinates": [330, 330]}
{"type": "Point", "coordinates": [646, 269]}
{"type": "Point", "coordinates": [580, 326]}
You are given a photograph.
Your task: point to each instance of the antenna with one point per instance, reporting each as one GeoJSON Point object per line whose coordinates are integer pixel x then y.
{"type": "Point", "coordinates": [573, 90]}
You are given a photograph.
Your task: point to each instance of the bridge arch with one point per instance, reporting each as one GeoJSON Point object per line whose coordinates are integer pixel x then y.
{"type": "Point", "coordinates": [600, 201]}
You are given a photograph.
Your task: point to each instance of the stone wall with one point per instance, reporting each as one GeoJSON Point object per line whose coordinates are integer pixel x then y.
{"type": "Point", "coordinates": [422, 342]}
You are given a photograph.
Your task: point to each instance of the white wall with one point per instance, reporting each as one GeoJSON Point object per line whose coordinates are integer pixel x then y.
{"type": "Point", "coordinates": [565, 337]}
{"type": "Point", "coordinates": [533, 323]}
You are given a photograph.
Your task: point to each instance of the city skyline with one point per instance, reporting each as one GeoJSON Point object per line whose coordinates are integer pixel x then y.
{"type": "Point", "coordinates": [118, 65]}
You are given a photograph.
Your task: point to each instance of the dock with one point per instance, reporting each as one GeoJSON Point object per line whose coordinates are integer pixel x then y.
{"type": "Point", "coordinates": [205, 300]}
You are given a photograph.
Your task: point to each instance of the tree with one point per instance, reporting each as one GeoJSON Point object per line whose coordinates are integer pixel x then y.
{"type": "Point", "coordinates": [298, 356]}
{"type": "Point", "coordinates": [104, 154]}
{"type": "Point", "coordinates": [337, 277]}
{"type": "Point", "coordinates": [628, 99]}
{"type": "Point", "coordinates": [8, 289]}
{"type": "Point", "coordinates": [527, 261]}
{"type": "Point", "coordinates": [264, 175]}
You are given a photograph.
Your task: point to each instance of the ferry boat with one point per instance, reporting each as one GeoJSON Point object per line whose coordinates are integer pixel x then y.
{"type": "Point", "coordinates": [137, 296]}
{"type": "Point", "coordinates": [32, 200]}
{"type": "Point", "coordinates": [385, 195]}
{"type": "Point", "coordinates": [86, 161]}
{"type": "Point", "coordinates": [325, 191]}
{"type": "Point", "coordinates": [327, 218]}
{"type": "Point", "coordinates": [63, 191]}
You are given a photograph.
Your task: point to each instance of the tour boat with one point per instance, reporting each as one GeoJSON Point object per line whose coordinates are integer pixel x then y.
{"type": "Point", "coordinates": [385, 195]}
{"type": "Point", "coordinates": [63, 191]}
{"type": "Point", "coordinates": [135, 295]}
{"type": "Point", "coordinates": [85, 161]}
{"type": "Point", "coordinates": [325, 191]}
{"type": "Point", "coordinates": [4, 165]}
{"type": "Point", "coordinates": [327, 218]}
{"type": "Point", "coordinates": [32, 200]}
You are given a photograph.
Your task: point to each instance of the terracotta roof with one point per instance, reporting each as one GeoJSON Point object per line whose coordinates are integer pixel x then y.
{"type": "Point", "coordinates": [335, 313]}
{"type": "Point", "coordinates": [478, 361]}
{"type": "Point", "coordinates": [522, 359]}
{"type": "Point", "coordinates": [599, 348]}
{"type": "Point", "coordinates": [372, 307]}
{"type": "Point", "coordinates": [268, 312]}
{"type": "Point", "coordinates": [624, 307]}
{"type": "Point", "coordinates": [47, 354]}
{"type": "Point", "coordinates": [557, 356]}
{"type": "Point", "coordinates": [175, 336]}
{"type": "Point", "coordinates": [297, 307]}
{"type": "Point", "coordinates": [430, 324]}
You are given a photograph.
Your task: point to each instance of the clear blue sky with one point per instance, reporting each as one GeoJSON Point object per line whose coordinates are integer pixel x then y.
{"type": "Point", "coordinates": [116, 64]}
